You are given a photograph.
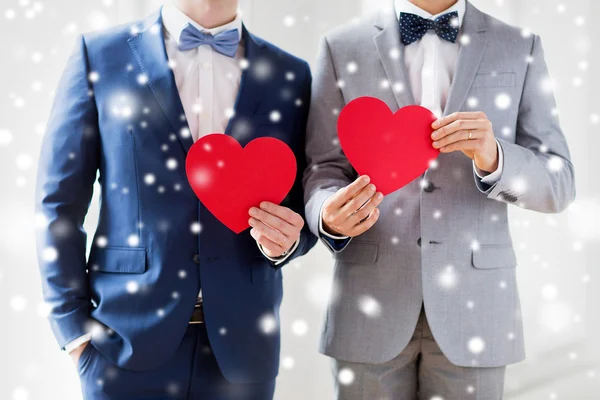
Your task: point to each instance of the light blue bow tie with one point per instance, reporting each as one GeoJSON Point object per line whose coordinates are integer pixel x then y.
{"type": "Point", "coordinates": [225, 43]}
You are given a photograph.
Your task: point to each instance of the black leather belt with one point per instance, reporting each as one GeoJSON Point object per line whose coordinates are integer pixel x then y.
{"type": "Point", "coordinates": [198, 314]}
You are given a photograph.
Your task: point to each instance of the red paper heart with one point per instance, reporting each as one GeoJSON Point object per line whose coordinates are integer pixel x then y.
{"type": "Point", "coordinates": [229, 179]}
{"type": "Point", "coordinates": [393, 149]}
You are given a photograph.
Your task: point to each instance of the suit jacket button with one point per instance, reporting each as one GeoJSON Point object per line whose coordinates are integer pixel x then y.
{"type": "Point", "coordinates": [419, 242]}
{"type": "Point", "coordinates": [196, 258]}
{"type": "Point", "coordinates": [430, 187]}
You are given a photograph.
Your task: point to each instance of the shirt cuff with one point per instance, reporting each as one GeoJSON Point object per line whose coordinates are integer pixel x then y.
{"type": "Point", "coordinates": [491, 178]}
{"type": "Point", "coordinates": [281, 259]}
{"type": "Point", "coordinates": [336, 243]}
{"type": "Point", "coordinates": [69, 347]}
{"type": "Point", "coordinates": [329, 235]}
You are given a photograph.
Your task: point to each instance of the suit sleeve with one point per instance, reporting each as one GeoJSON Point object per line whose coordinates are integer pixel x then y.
{"type": "Point", "coordinates": [296, 197]}
{"type": "Point", "coordinates": [66, 175]}
{"type": "Point", "coordinates": [537, 172]}
{"type": "Point", "coordinates": [328, 169]}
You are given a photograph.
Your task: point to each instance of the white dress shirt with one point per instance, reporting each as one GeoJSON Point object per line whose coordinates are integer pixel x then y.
{"type": "Point", "coordinates": [431, 63]}
{"type": "Point", "coordinates": [208, 84]}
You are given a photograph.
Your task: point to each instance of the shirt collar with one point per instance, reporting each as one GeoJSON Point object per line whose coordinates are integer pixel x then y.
{"type": "Point", "coordinates": [405, 6]}
{"type": "Point", "coordinates": [175, 21]}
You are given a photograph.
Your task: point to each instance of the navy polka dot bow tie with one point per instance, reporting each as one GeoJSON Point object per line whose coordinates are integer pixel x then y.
{"type": "Point", "coordinates": [413, 27]}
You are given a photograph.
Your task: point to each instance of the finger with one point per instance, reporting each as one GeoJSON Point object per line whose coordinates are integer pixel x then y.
{"type": "Point", "coordinates": [366, 210]}
{"type": "Point", "coordinates": [457, 136]}
{"type": "Point", "coordinates": [456, 116]}
{"type": "Point", "coordinates": [343, 195]}
{"type": "Point", "coordinates": [284, 213]}
{"type": "Point", "coordinates": [274, 235]}
{"type": "Point", "coordinates": [458, 125]}
{"type": "Point", "coordinates": [366, 224]}
{"type": "Point", "coordinates": [273, 221]}
{"type": "Point", "coordinates": [464, 145]}
{"type": "Point", "coordinates": [358, 200]}
{"type": "Point", "coordinates": [271, 248]}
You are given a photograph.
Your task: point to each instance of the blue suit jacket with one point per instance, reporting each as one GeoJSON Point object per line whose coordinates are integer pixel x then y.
{"type": "Point", "coordinates": [105, 123]}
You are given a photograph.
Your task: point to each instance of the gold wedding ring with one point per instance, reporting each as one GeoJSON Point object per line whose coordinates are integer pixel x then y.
{"type": "Point", "coordinates": [470, 134]}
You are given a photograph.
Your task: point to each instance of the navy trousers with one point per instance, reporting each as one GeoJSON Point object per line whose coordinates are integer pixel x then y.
{"type": "Point", "coordinates": [191, 374]}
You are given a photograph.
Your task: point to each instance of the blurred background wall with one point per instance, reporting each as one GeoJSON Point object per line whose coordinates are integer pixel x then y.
{"type": "Point", "coordinates": [558, 254]}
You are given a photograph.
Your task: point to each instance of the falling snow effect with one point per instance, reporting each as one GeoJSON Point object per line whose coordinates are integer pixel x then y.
{"type": "Point", "coordinates": [554, 301]}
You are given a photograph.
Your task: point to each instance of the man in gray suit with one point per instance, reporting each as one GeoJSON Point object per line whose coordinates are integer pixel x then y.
{"type": "Point", "coordinates": [426, 303]}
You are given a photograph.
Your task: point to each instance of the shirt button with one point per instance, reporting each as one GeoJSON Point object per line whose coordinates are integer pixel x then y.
{"type": "Point", "coordinates": [206, 65]}
{"type": "Point", "coordinates": [196, 258]}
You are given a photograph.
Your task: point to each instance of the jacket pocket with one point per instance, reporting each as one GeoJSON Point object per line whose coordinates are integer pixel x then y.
{"type": "Point", "coordinates": [498, 79]}
{"type": "Point", "coordinates": [491, 256]}
{"type": "Point", "coordinates": [359, 252]}
{"type": "Point", "coordinates": [121, 260]}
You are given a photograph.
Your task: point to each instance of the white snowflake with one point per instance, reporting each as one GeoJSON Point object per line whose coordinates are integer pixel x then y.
{"type": "Point", "coordinates": [275, 116]}
{"type": "Point", "coordinates": [346, 376]}
{"type": "Point", "coordinates": [289, 21]}
{"type": "Point", "coordinates": [299, 327]}
{"type": "Point", "coordinates": [101, 241]}
{"type": "Point", "coordinates": [448, 279]}
{"type": "Point", "coordinates": [398, 87]}
{"type": "Point", "coordinates": [6, 137]}
{"type": "Point", "coordinates": [503, 101]}
{"type": "Point", "coordinates": [472, 102]}
{"type": "Point", "coordinates": [24, 161]}
{"type": "Point", "coordinates": [133, 240]}
{"type": "Point", "coordinates": [288, 363]}
{"type": "Point", "coordinates": [352, 67]}
{"type": "Point", "coordinates": [50, 254]}
{"type": "Point", "coordinates": [476, 345]}
{"type": "Point", "coordinates": [369, 306]}
{"type": "Point", "coordinates": [149, 179]}
{"type": "Point", "coordinates": [555, 164]}
{"type": "Point", "coordinates": [172, 164]}
{"type": "Point", "coordinates": [10, 14]}
{"type": "Point", "coordinates": [267, 324]}
{"type": "Point", "coordinates": [132, 287]}
{"type": "Point", "coordinates": [18, 303]}
{"type": "Point", "coordinates": [44, 309]}
{"type": "Point", "coordinates": [142, 79]}
{"type": "Point", "coordinates": [195, 227]}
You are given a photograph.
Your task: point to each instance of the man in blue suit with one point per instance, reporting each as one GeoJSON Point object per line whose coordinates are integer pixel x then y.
{"type": "Point", "coordinates": [170, 303]}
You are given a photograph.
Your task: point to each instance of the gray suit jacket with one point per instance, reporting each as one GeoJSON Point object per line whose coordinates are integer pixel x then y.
{"type": "Point", "coordinates": [461, 264]}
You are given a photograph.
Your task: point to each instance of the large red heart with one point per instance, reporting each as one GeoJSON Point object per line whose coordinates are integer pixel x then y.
{"type": "Point", "coordinates": [229, 179]}
{"type": "Point", "coordinates": [392, 149]}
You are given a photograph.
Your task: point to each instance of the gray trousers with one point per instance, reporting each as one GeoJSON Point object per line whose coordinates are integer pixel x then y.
{"type": "Point", "coordinates": [421, 372]}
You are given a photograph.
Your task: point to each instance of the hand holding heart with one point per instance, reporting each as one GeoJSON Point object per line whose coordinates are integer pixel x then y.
{"type": "Point", "coordinates": [352, 210]}
{"type": "Point", "coordinates": [275, 228]}
{"type": "Point", "coordinates": [471, 133]}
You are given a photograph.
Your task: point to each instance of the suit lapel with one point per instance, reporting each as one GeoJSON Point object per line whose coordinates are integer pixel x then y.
{"type": "Point", "coordinates": [149, 50]}
{"type": "Point", "coordinates": [469, 58]}
{"type": "Point", "coordinates": [391, 49]}
{"type": "Point", "coordinates": [251, 88]}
